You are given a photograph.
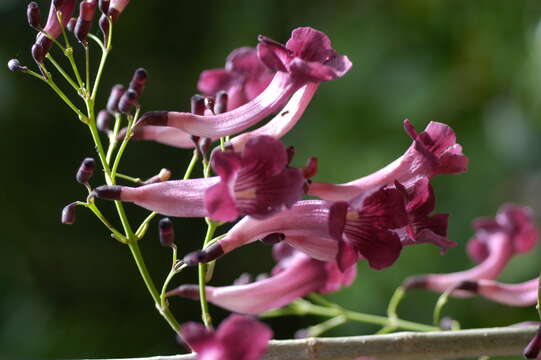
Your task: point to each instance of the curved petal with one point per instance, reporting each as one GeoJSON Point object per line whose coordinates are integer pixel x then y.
{"type": "Point", "coordinates": [219, 203]}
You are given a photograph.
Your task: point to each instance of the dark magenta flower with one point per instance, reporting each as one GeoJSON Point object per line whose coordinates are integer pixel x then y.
{"type": "Point", "coordinates": [52, 27]}
{"type": "Point", "coordinates": [363, 228]}
{"type": "Point", "coordinates": [422, 226]}
{"type": "Point", "coordinates": [495, 242]}
{"type": "Point", "coordinates": [433, 152]}
{"type": "Point", "coordinates": [294, 276]}
{"type": "Point", "coordinates": [243, 78]}
{"type": "Point", "coordinates": [256, 182]}
{"type": "Point", "coordinates": [307, 57]}
{"type": "Point", "coordinates": [237, 338]}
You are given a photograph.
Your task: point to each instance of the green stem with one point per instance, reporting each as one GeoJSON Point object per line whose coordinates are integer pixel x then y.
{"type": "Point", "coordinates": [318, 329]}
{"type": "Point", "coordinates": [309, 308]}
{"type": "Point", "coordinates": [142, 229]}
{"type": "Point", "coordinates": [202, 272]}
{"type": "Point", "coordinates": [104, 54]}
{"type": "Point", "coordinates": [113, 137]}
{"type": "Point", "coordinates": [69, 55]}
{"type": "Point", "coordinates": [103, 219]}
{"type": "Point", "coordinates": [87, 68]}
{"type": "Point", "coordinates": [141, 266]}
{"type": "Point", "coordinates": [98, 41]}
{"type": "Point", "coordinates": [63, 73]}
{"type": "Point", "coordinates": [131, 121]}
{"type": "Point", "coordinates": [191, 165]}
{"type": "Point", "coordinates": [63, 96]}
{"type": "Point", "coordinates": [129, 178]}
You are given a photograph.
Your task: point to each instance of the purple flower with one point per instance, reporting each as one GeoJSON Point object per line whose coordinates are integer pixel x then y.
{"type": "Point", "coordinates": [237, 338]}
{"type": "Point", "coordinates": [363, 227]}
{"type": "Point", "coordinates": [256, 182]}
{"type": "Point", "coordinates": [307, 57]}
{"type": "Point", "coordinates": [433, 152]}
{"type": "Point", "coordinates": [295, 275]}
{"type": "Point", "coordinates": [495, 242]}
{"type": "Point", "coordinates": [522, 294]}
{"type": "Point", "coordinates": [52, 27]}
{"type": "Point", "coordinates": [243, 78]}
{"type": "Point", "coordinates": [423, 227]}
{"type": "Point", "coordinates": [531, 351]}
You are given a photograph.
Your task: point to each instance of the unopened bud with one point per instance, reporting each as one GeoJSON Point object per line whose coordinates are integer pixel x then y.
{"type": "Point", "coordinates": [104, 6]}
{"type": "Point", "coordinates": [209, 254]}
{"type": "Point", "coordinates": [15, 65]}
{"type": "Point", "coordinates": [197, 104]}
{"type": "Point", "coordinates": [162, 176]}
{"type": "Point", "coordinates": [116, 93]}
{"type": "Point", "coordinates": [109, 192]}
{"type": "Point", "coordinates": [220, 105]}
{"type": "Point", "coordinates": [138, 81]}
{"type": "Point", "coordinates": [71, 24]}
{"type": "Point", "coordinates": [203, 146]}
{"type": "Point", "coordinates": [532, 350]}
{"type": "Point", "coordinates": [167, 233]}
{"type": "Point", "coordinates": [127, 101]}
{"type": "Point", "coordinates": [103, 121]}
{"type": "Point", "coordinates": [85, 171]}
{"type": "Point", "coordinates": [116, 7]}
{"type": "Point", "coordinates": [104, 27]}
{"type": "Point", "coordinates": [34, 16]}
{"type": "Point", "coordinates": [87, 10]}
{"type": "Point", "coordinates": [68, 214]}
{"type": "Point", "coordinates": [37, 53]}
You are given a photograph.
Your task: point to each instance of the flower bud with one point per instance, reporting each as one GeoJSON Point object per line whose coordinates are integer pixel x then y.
{"type": "Point", "coordinates": [87, 10]}
{"type": "Point", "coordinates": [104, 6]}
{"type": "Point", "coordinates": [116, 93]}
{"type": "Point", "coordinates": [127, 101]}
{"type": "Point", "coordinates": [15, 65]}
{"type": "Point", "coordinates": [273, 238]}
{"type": "Point", "coordinates": [103, 121]}
{"type": "Point", "coordinates": [85, 171]}
{"type": "Point", "coordinates": [167, 233]}
{"type": "Point", "coordinates": [138, 81]}
{"type": "Point", "coordinates": [220, 105]}
{"type": "Point", "coordinates": [68, 214]}
{"type": "Point", "coordinates": [104, 27]}
{"type": "Point", "coordinates": [37, 53]}
{"type": "Point", "coordinates": [34, 16]}
{"type": "Point", "coordinates": [116, 7]}
{"type": "Point", "coordinates": [71, 24]}
{"type": "Point", "coordinates": [198, 104]}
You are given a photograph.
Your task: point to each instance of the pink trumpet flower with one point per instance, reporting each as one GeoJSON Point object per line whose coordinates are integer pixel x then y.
{"type": "Point", "coordinates": [243, 78]}
{"type": "Point", "coordinates": [295, 275]}
{"type": "Point", "coordinates": [53, 27]}
{"type": "Point", "coordinates": [433, 152]}
{"type": "Point", "coordinates": [256, 182]}
{"type": "Point", "coordinates": [307, 57]}
{"type": "Point", "coordinates": [237, 338]}
{"type": "Point", "coordinates": [496, 241]}
{"type": "Point", "coordinates": [522, 294]}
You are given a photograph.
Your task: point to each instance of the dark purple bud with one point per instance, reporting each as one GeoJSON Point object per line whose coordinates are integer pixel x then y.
{"type": "Point", "coordinates": [220, 105]}
{"type": "Point", "coordinates": [164, 175]}
{"type": "Point", "coordinates": [127, 101]}
{"type": "Point", "coordinates": [68, 214]}
{"type": "Point", "coordinates": [37, 53]}
{"type": "Point", "coordinates": [138, 81]}
{"type": "Point", "coordinates": [109, 192]}
{"type": "Point", "coordinates": [198, 104]}
{"type": "Point", "coordinates": [203, 146]}
{"type": "Point", "coordinates": [34, 16]}
{"type": "Point", "coordinates": [104, 27]}
{"type": "Point", "coordinates": [468, 285]}
{"type": "Point", "coordinates": [213, 252]}
{"type": "Point", "coordinates": [273, 238]}
{"type": "Point", "coordinates": [71, 24]}
{"type": "Point", "coordinates": [167, 233]}
{"type": "Point", "coordinates": [103, 121]}
{"type": "Point", "coordinates": [116, 7]}
{"type": "Point", "coordinates": [116, 93]}
{"type": "Point", "coordinates": [104, 6]}
{"type": "Point", "coordinates": [534, 346]}
{"type": "Point", "coordinates": [15, 65]}
{"type": "Point", "coordinates": [87, 10]}
{"type": "Point", "coordinates": [85, 171]}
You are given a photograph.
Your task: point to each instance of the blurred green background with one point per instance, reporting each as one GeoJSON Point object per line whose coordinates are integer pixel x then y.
{"type": "Point", "coordinates": [72, 292]}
